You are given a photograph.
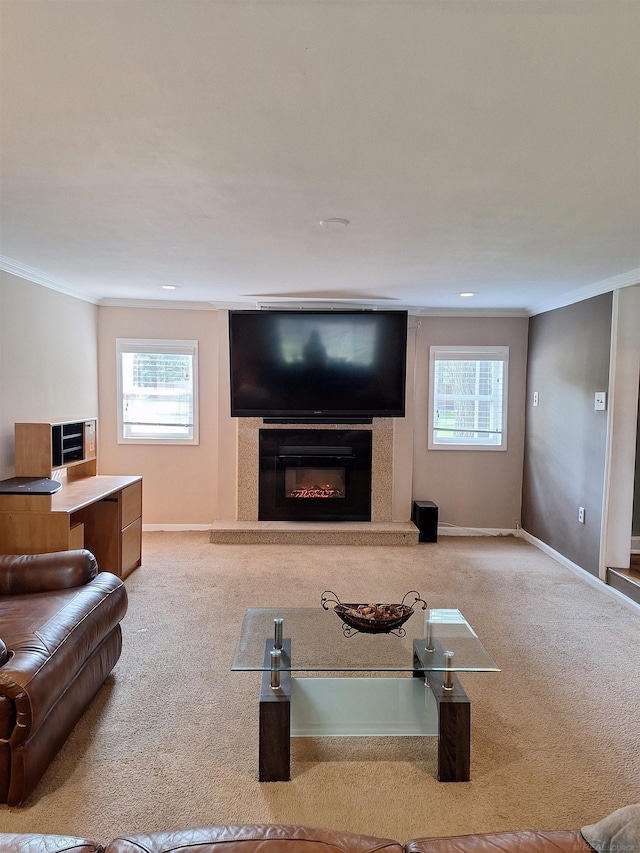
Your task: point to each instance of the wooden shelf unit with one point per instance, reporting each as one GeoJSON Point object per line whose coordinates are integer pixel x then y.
{"type": "Point", "coordinates": [100, 512]}
{"type": "Point", "coordinates": [47, 449]}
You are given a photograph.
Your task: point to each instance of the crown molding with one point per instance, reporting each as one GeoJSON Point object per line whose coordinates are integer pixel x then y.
{"type": "Point", "coordinates": [35, 276]}
{"type": "Point", "coordinates": [626, 279]}
{"type": "Point", "coordinates": [471, 312]}
{"type": "Point", "coordinates": [157, 303]}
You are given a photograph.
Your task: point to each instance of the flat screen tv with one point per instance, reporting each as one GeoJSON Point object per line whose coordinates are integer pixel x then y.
{"type": "Point", "coordinates": [318, 365]}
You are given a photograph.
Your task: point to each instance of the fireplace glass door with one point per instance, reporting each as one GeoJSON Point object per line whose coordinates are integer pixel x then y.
{"type": "Point", "coordinates": [315, 475]}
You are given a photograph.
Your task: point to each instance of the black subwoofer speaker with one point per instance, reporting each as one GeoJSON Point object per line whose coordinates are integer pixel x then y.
{"type": "Point", "coordinates": [425, 518]}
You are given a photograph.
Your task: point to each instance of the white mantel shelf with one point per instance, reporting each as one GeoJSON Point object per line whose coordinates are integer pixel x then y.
{"type": "Point", "coordinates": [314, 533]}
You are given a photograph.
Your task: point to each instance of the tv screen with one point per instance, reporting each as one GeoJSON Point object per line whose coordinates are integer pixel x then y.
{"type": "Point", "coordinates": [324, 365]}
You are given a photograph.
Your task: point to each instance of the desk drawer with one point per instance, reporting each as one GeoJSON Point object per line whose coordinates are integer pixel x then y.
{"type": "Point", "coordinates": [131, 498]}
{"type": "Point", "coordinates": [131, 546]}
{"type": "Point", "coordinates": [76, 536]}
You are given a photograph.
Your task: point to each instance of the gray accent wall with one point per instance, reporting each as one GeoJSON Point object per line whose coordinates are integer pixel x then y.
{"type": "Point", "coordinates": [565, 438]}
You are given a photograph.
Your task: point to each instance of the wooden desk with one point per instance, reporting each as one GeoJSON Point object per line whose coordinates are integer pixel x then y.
{"type": "Point", "coordinates": [102, 513]}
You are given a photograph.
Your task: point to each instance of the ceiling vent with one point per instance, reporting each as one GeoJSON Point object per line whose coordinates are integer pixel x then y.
{"type": "Point", "coordinates": [317, 306]}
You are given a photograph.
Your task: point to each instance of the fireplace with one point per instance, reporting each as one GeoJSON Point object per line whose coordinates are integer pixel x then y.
{"type": "Point", "coordinates": [314, 475]}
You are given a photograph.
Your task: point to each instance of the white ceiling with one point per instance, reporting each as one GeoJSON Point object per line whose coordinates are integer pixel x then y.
{"type": "Point", "coordinates": [485, 145]}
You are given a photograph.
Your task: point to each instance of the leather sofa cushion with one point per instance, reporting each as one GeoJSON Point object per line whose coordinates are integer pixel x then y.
{"type": "Point", "coordinates": [253, 839]}
{"type": "Point", "coordinates": [553, 841]}
{"type": "Point", "coordinates": [31, 842]}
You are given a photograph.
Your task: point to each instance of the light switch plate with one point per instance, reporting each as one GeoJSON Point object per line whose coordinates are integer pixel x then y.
{"type": "Point", "coordinates": [600, 404]}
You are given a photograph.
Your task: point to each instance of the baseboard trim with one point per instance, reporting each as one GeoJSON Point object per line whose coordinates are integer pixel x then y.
{"type": "Point", "coordinates": [452, 530]}
{"type": "Point", "coordinates": [149, 528]}
{"type": "Point", "coordinates": [586, 576]}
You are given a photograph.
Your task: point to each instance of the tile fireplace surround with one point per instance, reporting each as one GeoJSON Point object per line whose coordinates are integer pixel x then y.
{"type": "Point", "coordinates": [380, 530]}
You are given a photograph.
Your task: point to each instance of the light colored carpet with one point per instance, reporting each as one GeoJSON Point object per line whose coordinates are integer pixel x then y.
{"type": "Point", "coordinates": [171, 739]}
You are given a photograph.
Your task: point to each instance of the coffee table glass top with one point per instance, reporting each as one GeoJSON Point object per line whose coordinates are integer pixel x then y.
{"type": "Point", "coordinates": [318, 643]}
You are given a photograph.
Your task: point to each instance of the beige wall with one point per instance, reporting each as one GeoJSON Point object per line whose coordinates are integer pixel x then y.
{"type": "Point", "coordinates": [402, 493]}
{"type": "Point", "coordinates": [180, 483]}
{"type": "Point", "coordinates": [481, 488]}
{"type": "Point", "coordinates": [227, 430]}
{"type": "Point", "coordinates": [48, 359]}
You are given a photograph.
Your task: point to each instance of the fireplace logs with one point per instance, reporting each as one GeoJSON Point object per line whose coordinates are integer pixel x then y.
{"type": "Point", "coordinates": [315, 492]}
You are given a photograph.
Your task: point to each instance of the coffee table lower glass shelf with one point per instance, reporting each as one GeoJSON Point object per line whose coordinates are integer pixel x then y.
{"type": "Point", "coordinates": [424, 698]}
{"type": "Point", "coordinates": [362, 707]}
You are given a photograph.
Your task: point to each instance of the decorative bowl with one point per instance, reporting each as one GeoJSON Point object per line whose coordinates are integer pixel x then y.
{"type": "Point", "coordinates": [373, 618]}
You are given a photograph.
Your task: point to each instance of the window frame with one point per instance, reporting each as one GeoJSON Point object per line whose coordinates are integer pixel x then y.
{"type": "Point", "coordinates": [159, 346]}
{"type": "Point", "coordinates": [469, 353]}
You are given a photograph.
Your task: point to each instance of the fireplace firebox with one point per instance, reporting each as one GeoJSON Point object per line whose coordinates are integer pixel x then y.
{"type": "Point", "coordinates": [314, 475]}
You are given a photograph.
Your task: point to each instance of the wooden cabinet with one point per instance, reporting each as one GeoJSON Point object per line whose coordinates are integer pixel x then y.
{"type": "Point", "coordinates": [42, 449]}
{"type": "Point", "coordinates": [100, 512]}
{"type": "Point", "coordinates": [113, 528]}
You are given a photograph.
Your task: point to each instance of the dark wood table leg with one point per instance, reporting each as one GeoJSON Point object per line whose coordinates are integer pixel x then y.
{"type": "Point", "coordinates": [274, 745]}
{"type": "Point", "coordinates": [454, 720]}
{"type": "Point", "coordinates": [454, 729]}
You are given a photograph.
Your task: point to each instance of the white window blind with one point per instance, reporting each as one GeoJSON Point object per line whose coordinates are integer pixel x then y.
{"type": "Point", "coordinates": [468, 397]}
{"type": "Point", "coordinates": [157, 391]}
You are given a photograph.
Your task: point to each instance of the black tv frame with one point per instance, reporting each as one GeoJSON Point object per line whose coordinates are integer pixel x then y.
{"type": "Point", "coordinates": [291, 415]}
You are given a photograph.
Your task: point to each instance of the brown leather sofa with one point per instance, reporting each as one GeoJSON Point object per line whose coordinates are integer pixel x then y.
{"type": "Point", "coordinates": [60, 638]}
{"type": "Point", "coordinates": [297, 839]}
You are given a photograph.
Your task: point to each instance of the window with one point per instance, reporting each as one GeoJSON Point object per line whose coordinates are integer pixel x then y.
{"type": "Point", "coordinates": [157, 391]}
{"type": "Point", "coordinates": [468, 398]}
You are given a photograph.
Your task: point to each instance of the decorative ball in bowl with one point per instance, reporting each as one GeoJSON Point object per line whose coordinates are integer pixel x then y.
{"type": "Point", "coordinates": [373, 618]}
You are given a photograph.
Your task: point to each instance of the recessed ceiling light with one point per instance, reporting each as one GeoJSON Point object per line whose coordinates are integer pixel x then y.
{"type": "Point", "coordinates": [334, 223]}
{"type": "Point", "coordinates": [467, 293]}
{"type": "Point", "coordinates": [169, 286]}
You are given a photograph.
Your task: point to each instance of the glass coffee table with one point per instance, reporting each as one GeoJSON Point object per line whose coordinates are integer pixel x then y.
{"type": "Point", "coordinates": [423, 697]}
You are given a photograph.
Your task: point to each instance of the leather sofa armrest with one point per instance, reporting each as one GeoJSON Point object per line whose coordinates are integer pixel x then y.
{"type": "Point", "coordinates": [24, 573]}
{"type": "Point", "coordinates": [44, 660]}
{"type": "Point", "coordinates": [526, 841]}
{"type": "Point", "coordinates": [31, 842]}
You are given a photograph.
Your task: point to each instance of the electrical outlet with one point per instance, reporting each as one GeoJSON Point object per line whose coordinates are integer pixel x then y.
{"type": "Point", "coordinates": [535, 398]}
{"type": "Point", "coordinates": [600, 401]}
{"type": "Point", "coordinates": [581, 514]}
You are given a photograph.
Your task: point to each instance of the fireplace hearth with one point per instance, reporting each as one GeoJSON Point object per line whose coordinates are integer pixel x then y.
{"type": "Point", "coordinates": [314, 475]}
